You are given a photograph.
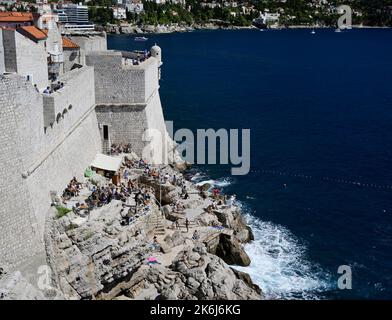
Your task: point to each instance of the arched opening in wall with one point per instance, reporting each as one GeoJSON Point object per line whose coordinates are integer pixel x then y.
{"type": "Point", "coordinates": [58, 118]}
{"type": "Point", "coordinates": [70, 107]}
{"type": "Point", "coordinates": [65, 111]}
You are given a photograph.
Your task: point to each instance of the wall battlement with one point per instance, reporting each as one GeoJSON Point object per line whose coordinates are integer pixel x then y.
{"type": "Point", "coordinates": [116, 83]}
{"type": "Point", "coordinates": [128, 102]}
{"type": "Point", "coordinates": [77, 95]}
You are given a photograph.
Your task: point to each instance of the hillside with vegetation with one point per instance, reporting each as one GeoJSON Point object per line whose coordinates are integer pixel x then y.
{"type": "Point", "coordinates": [292, 12]}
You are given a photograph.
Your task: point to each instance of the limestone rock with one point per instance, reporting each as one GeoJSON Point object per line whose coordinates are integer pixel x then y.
{"type": "Point", "coordinates": [246, 278]}
{"type": "Point", "coordinates": [207, 219]}
{"type": "Point", "coordinates": [177, 238]}
{"type": "Point", "coordinates": [231, 218]}
{"type": "Point", "coordinates": [205, 187]}
{"type": "Point", "coordinates": [229, 249]}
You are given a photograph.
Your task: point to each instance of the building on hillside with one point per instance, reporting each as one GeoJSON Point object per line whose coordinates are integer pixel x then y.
{"type": "Point", "coordinates": [270, 18]}
{"type": "Point", "coordinates": [180, 2]}
{"type": "Point", "coordinates": [119, 13]}
{"type": "Point", "coordinates": [8, 2]}
{"type": "Point", "coordinates": [230, 4]}
{"type": "Point", "coordinates": [74, 16]}
{"type": "Point", "coordinates": [134, 6]}
{"type": "Point", "coordinates": [158, 1]}
{"type": "Point", "coordinates": [210, 5]}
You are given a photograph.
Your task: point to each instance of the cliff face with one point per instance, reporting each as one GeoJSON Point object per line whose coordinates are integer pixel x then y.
{"type": "Point", "coordinates": [103, 260]}
{"type": "Point", "coordinates": [100, 258]}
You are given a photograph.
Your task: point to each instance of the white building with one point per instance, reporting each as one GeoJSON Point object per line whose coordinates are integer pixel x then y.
{"type": "Point", "coordinates": [270, 18]}
{"type": "Point", "coordinates": [134, 6]}
{"type": "Point", "coordinates": [158, 1]}
{"type": "Point", "coordinates": [210, 5]}
{"type": "Point", "coordinates": [74, 16]}
{"type": "Point", "coordinates": [119, 13]}
{"type": "Point", "coordinates": [181, 2]}
{"type": "Point", "coordinates": [230, 4]}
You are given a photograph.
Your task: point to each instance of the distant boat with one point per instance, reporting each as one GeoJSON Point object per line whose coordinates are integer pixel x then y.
{"type": "Point", "coordinates": [338, 30]}
{"type": "Point", "coordinates": [141, 39]}
{"type": "Point", "coordinates": [313, 32]}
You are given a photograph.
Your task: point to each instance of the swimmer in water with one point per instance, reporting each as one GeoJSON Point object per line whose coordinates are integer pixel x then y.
{"type": "Point", "coordinates": [284, 185]}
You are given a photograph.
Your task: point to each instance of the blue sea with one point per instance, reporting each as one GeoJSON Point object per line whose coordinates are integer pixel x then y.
{"type": "Point", "coordinates": [319, 107]}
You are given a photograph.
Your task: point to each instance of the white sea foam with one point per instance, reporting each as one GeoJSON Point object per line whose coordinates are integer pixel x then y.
{"type": "Point", "coordinates": [220, 183]}
{"type": "Point", "coordinates": [198, 177]}
{"type": "Point", "coordinates": [279, 265]}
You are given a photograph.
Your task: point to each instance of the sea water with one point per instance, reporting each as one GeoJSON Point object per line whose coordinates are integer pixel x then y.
{"type": "Point", "coordinates": [319, 193]}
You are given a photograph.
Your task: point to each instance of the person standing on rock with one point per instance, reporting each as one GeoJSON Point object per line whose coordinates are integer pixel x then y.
{"type": "Point", "coordinates": [187, 224]}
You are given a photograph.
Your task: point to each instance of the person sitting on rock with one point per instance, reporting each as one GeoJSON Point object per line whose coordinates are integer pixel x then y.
{"type": "Point", "coordinates": [156, 244]}
{"type": "Point", "coordinates": [196, 235]}
{"type": "Point", "coordinates": [184, 259]}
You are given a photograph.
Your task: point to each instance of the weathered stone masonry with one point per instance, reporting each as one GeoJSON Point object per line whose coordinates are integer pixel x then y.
{"type": "Point", "coordinates": [46, 139]}
{"type": "Point", "coordinates": [36, 161]}
{"type": "Point", "coordinates": [128, 102]}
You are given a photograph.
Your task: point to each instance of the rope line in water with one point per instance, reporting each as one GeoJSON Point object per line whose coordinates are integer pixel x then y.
{"type": "Point", "coordinates": [315, 178]}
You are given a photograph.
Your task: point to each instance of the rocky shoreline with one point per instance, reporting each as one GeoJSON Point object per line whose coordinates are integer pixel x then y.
{"type": "Point", "coordinates": [181, 247]}
{"type": "Point", "coordinates": [149, 29]}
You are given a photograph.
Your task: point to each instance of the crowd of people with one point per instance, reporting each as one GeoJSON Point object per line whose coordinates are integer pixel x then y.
{"type": "Point", "coordinates": [137, 198]}
{"type": "Point", "coordinates": [72, 189]}
{"type": "Point", "coordinates": [116, 149]}
{"type": "Point", "coordinates": [53, 88]}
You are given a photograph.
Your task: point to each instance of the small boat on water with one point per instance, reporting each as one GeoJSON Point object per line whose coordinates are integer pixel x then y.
{"type": "Point", "coordinates": [338, 30]}
{"type": "Point", "coordinates": [313, 32]}
{"type": "Point", "coordinates": [140, 39]}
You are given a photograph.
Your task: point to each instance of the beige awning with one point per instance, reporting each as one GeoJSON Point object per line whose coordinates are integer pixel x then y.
{"type": "Point", "coordinates": [107, 163]}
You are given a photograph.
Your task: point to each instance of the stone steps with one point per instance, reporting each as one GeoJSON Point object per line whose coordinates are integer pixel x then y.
{"type": "Point", "coordinates": [158, 223]}
{"type": "Point", "coordinates": [191, 224]}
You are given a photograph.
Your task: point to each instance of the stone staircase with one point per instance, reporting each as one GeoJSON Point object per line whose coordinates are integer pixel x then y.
{"type": "Point", "coordinates": [158, 222]}
{"type": "Point", "coordinates": [192, 223]}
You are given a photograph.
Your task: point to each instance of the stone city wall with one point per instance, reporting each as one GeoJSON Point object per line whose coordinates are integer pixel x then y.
{"type": "Point", "coordinates": [35, 161]}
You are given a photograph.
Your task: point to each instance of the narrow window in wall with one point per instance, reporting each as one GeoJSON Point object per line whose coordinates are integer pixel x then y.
{"type": "Point", "coordinates": [105, 132]}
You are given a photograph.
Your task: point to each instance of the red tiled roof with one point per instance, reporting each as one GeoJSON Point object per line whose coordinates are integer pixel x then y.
{"type": "Point", "coordinates": [34, 32]}
{"type": "Point", "coordinates": [16, 16]}
{"type": "Point", "coordinates": [68, 44]}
